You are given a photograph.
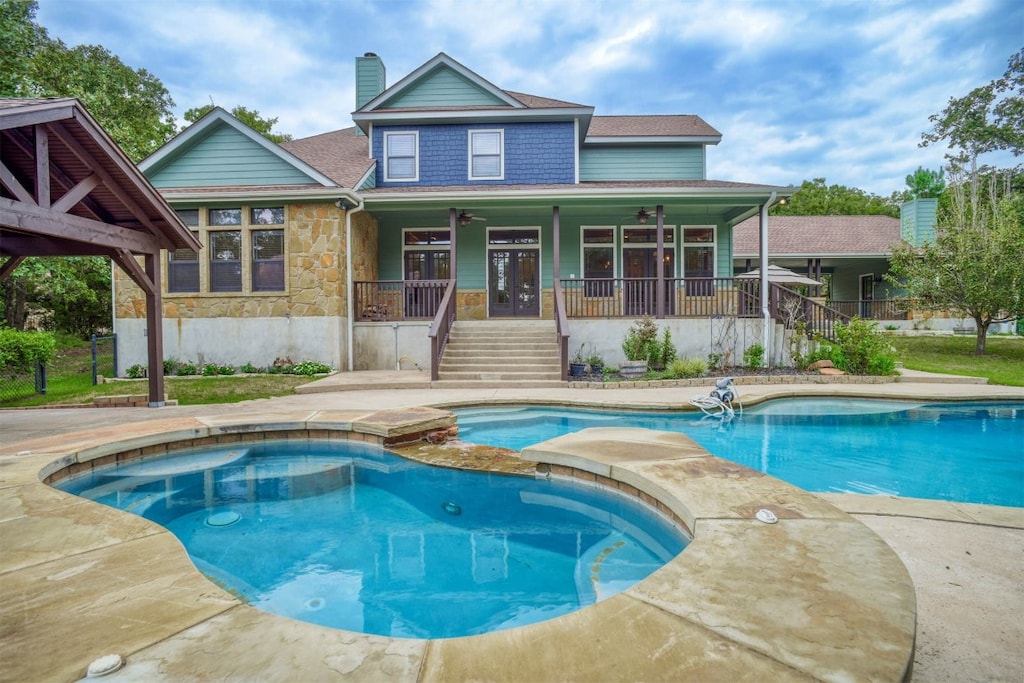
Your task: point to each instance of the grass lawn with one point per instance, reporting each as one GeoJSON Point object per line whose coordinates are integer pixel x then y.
{"type": "Point", "coordinates": [1003, 362]}
{"type": "Point", "coordinates": [69, 381]}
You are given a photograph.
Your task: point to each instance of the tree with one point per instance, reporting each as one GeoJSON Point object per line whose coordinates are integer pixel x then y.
{"type": "Point", "coordinates": [972, 271]}
{"type": "Point", "coordinates": [925, 182]}
{"type": "Point", "coordinates": [132, 105]}
{"type": "Point", "coordinates": [249, 117]}
{"type": "Point", "coordinates": [815, 198]}
{"type": "Point", "coordinates": [73, 292]}
{"type": "Point", "coordinates": [19, 37]}
{"type": "Point", "coordinates": [976, 265]}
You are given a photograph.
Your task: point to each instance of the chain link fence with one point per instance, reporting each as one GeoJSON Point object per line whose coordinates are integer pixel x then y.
{"type": "Point", "coordinates": [18, 383]}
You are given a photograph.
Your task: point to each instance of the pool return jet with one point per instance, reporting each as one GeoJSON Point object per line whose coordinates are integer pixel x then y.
{"type": "Point", "coordinates": [719, 403]}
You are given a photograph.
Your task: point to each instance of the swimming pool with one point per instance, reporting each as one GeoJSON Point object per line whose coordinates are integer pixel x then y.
{"type": "Point", "coordinates": [347, 535]}
{"type": "Point", "coordinates": [967, 452]}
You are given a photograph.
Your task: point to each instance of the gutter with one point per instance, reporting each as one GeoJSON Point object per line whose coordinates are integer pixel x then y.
{"type": "Point", "coordinates": [349, 292]}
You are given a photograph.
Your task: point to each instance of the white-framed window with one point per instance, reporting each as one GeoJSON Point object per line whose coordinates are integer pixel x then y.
{"type": "Point", "coordinates": [401, 156]}
{"type": "Point", "coordinates": [699, 254]}
{"type": "Point", "coordinates": [486, 155]}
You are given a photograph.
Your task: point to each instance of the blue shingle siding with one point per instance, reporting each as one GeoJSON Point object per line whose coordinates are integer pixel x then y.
{"type": "Point", "coordinates": [535, 154]}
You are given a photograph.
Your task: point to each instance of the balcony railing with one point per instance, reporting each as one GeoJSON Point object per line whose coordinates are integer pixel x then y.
{"type": "Point", "coordinates": [381, 300]}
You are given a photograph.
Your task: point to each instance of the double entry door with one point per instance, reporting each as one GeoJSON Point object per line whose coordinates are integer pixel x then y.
{"type": "Point", "coordinates": [513, 282]}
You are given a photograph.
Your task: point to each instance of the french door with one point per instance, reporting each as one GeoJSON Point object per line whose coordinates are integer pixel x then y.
{"type": "Point", "coordinates": [640, 286]}
{"type": "Point", "coordinates": [513, 282]}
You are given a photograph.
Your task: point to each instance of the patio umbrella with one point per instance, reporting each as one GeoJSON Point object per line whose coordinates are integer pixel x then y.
{"type": "Point", "coordinates": [779, 275]}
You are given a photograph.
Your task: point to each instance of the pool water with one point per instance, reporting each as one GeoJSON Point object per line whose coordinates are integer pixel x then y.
{"type": "Point", "coordinates": [349, 536]}
{"type": "Point", "coordinates": [965, 452]}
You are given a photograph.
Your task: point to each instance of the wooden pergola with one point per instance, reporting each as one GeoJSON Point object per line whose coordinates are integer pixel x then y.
{"type": "Point", "coordinates": [67, 189]}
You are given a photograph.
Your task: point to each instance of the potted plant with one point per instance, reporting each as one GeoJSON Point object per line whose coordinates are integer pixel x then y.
{"type": "Point", "coordinates": [596, 362]}
{"type": "Point", "coordinates": [639, 345]}
{"type": "Point", "coordinates": [577, 365]}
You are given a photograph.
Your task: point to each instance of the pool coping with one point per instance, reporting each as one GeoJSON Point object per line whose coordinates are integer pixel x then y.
{"type": "Point", "coordinates": [815, 596]}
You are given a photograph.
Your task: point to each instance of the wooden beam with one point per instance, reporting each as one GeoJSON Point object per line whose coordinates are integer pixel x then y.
{"type": "Point", "coordinates": [76, 194]}
{"type": "Point", "coordinates": [33, 219]}
{"type": "Point", "coordinates": [11, 183]}
{"type": "Point", "coordinates": [9, 265]}
{"type": "Point", "coordinates": [42, 157]}
{"type": "Point", "coordinates": [21, 244]}
{"type": "Point", "coordinates": [155, 332]}
{"type": "Point", "coordinates": [30, 116]}
{"type": "Point", "coordinates": [129, 265]}
{"type": "Point", "coordinates": [109, 182]}
{"type": "Point", "coordinates": [60, 176]}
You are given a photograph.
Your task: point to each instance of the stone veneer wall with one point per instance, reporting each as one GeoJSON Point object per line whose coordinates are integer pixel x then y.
{"type": "Point", "coordinates": [307, 321]}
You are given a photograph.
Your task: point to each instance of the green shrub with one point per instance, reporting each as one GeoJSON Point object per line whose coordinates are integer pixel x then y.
{"type": "Point", "coordinates": [686, 367]}
{"type": "Point", "coordinates": [186, 369]}
{"type": "Point", "coordinates": [210, 370]}
{"type": "Point", "coordinates": [280, 366]}
{"type": "Point", "coordinates": [225, 369]}
{"type": "Point", "coordinates": [171, 366]}
{"type": "Point", "coordinates": [22, 350]}
{"type": "Point", "coordinates": [249, 369]}
{"type": "Point", "coordinates": [641, 342]}
{"type": "Point", "coordinates": [753, 357]}
{"type": "Point", "coordinates": [715, 361]}
{"type": "Point", "coordinates": [310, 367]}
{"type": "Point", "coordinates": [860, 348]}
{"type": "Point", "coordinates": [136, 371]}
{"type": "Point", "coordinates": [666, 349]}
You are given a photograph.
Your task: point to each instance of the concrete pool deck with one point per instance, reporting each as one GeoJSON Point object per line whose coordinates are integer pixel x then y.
{"type": "Point", "coordinates": [80, 580]}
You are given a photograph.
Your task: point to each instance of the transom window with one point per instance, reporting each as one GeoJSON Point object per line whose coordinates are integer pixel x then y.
{"type": "Point", "coordinates": [401, 156]}
{"type": "Point", "coordinates": [486, 154]}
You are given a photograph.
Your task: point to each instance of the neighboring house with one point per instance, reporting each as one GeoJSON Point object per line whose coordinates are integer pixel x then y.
{"type": "Point", "coordinates": [341, 247]}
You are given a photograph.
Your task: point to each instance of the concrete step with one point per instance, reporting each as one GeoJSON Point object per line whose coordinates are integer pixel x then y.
{"type": "Point", "coordinates": [496, 375]}
{"type": "Point", "coordinates": [508, 368]}
{"type": "Point", "coordinates": [497, 384]}
{"type": "Point", "coordinates": [509, 356]}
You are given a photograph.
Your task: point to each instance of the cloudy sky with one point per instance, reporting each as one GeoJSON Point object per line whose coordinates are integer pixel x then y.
{"type": "Point", "coordinates": [800, 89]}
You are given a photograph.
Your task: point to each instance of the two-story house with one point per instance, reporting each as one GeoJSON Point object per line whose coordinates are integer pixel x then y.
{"type": "Point", "coordinates": [450, 199]}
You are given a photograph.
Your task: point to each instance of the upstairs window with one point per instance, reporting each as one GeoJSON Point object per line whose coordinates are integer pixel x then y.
{"type": "Point", "coordinates": [486, 155]}
{"type": "Point", "coordinates": [401, 157]}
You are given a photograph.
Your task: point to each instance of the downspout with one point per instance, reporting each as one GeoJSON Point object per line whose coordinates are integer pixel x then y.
{"type": "Point", "coordinates": [349, 282]}
{"type": "Point", "coordinates": [765, 313]}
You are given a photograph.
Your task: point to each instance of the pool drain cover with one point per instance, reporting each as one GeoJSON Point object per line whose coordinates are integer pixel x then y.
{"type": "Point", "coordinates": [315, 604]}
{"type": "Point", "coordinates": [107, 664]}
{"type": "Point", "coordinates": [766, 516]}
{"type": "Point", "coordinates": [223, 518]}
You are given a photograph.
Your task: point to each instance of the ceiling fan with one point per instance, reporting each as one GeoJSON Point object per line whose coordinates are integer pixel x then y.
{"type": "Point", "coordinates": [464, 218]}
{"type": "Point", "coordinates": [642, 216]}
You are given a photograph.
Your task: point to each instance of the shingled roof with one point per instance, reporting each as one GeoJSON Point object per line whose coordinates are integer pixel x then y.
{"type": "Point", "coordinates": [341, 155]}
{"type": "Point", "coordinates": [677, 125]}
{"type": "Point", "coordinates": [816, 236]}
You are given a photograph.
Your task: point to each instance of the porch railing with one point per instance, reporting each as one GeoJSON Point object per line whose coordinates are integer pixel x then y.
{"type": "Point", "coordinates": [380, 300]}
{"type": "Point", "coordinates": [873, 309]}
{"type": "Point", "coordinates": [441, 329]}
{"type": "Point", "coordinates": [700, 297]}
{"type": "Point", "coordinates": [789, 308]}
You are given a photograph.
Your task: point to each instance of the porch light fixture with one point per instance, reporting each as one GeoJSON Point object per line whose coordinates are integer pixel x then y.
{"type": "Point", "coordinates": [642, 215]}
{"type": "Point", "coordinates": [464, 219]}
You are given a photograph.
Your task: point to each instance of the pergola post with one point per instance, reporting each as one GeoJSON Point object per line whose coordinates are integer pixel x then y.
{"type": "Point", "coordinates": [154, 332]}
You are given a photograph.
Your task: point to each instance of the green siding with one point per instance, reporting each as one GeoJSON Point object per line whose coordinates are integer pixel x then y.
{"type": "Point", "coordinates": [442, 88]}
{"type": "Point", "coordinates": [918, 220]}
{"type": "Point", "coordinates": [678, 162]}
{"type": "Point", "coordinates": [723, 267]}
{"type": "Point", "coordinates": [370, 79]}
{"type": "Point", "coordinates": [226, 157]}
